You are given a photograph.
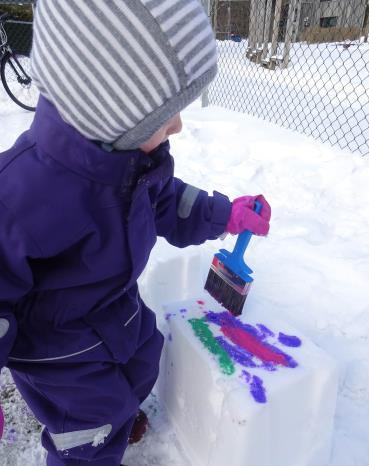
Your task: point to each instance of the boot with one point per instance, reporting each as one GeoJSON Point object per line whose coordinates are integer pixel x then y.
{"type": "Point", "coordinates": [139, 427]}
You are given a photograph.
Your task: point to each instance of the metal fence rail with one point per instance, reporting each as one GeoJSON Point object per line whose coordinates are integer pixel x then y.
{"type": "Point", "coordinates": [301, 64]}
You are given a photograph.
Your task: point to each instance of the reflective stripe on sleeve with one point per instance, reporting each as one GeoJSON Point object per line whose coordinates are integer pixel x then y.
{"type": "Point", "coordinates": [187, 201]}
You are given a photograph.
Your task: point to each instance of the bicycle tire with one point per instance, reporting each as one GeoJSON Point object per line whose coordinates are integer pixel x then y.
{"type": "Point", "coordinates": [13, 71]}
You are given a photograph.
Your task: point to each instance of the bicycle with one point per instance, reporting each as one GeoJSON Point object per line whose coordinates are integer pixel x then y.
{"type": "Point", "coordinates": [15, 72]}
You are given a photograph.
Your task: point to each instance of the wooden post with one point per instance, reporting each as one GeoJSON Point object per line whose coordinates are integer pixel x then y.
{"type": "Point", "coordinates": [297, 22]}
{"type": "Point", "coordinates": [229, 24]}
{"type": "Point", "coordinates": [252, 29]}
{"type": "Point", "coordinates": [268, 17]}
{"type": "Point", "coordinates": [205, 94]}
{"type": "Point", "coordinates": [277, 18]}
{"type": "Point", "coordinates": [343, 20]}
{"type": "Point", "coordinates": [289, 33]}
{"type": "Point", "coordinates": [260, 21]}
{"type": "Point", "coordinates": [215, 16]}
{"type": "Point", "coordinates": [349, 15]}
{"type": "Point", "coordinates": [365, 32]}
{"type": "Point", "coordinates": [259, 30]}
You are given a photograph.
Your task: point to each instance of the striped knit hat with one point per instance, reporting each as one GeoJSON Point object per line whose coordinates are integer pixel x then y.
{"type": "Point", "coordinates": [117, 70]}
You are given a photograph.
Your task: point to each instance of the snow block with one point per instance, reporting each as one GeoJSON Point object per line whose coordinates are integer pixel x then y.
{"type": "Point", "coordinates": [246, 390]}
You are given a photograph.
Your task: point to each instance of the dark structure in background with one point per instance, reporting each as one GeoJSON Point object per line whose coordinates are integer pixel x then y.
{"type": "Point", "coordinates": [333, 13]}
{"type": "Point", "coordinates": [19, 30]}
{"type": "Point", "coordinates": [233, 16]}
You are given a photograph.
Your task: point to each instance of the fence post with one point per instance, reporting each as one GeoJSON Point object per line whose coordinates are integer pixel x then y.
{"type": "Point", "coordinates": [268, 18]}
{"type": "Point", "coordinates": [277, 18]}
{"type": "Point", "coordinates": [366, 33]}
{"type": "Point", "coordinates": [205, 94]}
{"type": "Point", "coordinates": [343, 19]}
{"type": "Point", "coordinates": [214, 15]}
{"type": "Point", "coordinates": [252, 29]}
{"type": "Point", "coordinates": [289, 32]}
{"type": "Point", "coordinates": [229, 22]}
{"type": "Point", "coordinates": [260, 17]}
{"type": "Point", "coordinates": [297, 21]}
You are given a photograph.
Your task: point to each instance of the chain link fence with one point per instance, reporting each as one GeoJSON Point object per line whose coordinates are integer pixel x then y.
{"type": "Point", "coordinates": [19, 27]}
{"type": "Point", "coordinates": [301, 64]}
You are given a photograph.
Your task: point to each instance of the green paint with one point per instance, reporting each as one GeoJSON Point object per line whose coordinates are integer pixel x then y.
{"type": "Point", "coordinates": [206, 337]}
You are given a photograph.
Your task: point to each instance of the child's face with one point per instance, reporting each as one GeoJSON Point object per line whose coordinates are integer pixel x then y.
{"type": "Point", "coordinates": [172, 126]}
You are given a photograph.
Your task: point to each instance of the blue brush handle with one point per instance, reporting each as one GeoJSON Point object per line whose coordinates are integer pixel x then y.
{"type": "Point", "coordinates": [244, 237]}
{"type": "Point", "coordinates": [234, 260]}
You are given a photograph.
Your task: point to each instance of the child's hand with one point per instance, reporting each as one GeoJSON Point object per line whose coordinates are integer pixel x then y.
{"type": "Point", "coordinates": [244, 218]}
{"type": "Point", "coordinates": [1, 423]}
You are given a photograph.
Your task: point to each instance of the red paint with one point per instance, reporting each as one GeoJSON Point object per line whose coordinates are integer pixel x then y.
{"type": "Point", "coordinates": [251, 344]}
{"type": "Point", "coordinates": [200, 302]}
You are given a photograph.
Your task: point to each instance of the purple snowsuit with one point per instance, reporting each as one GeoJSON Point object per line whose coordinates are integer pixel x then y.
{"type": "Point", "coordinates": [77, 224]}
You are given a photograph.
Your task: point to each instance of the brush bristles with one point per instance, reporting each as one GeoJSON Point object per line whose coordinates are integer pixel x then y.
{"type": "Point", "coordinates": [225, 293]}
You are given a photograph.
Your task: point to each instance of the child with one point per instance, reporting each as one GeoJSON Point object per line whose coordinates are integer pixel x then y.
{"type": "Point", "coordinates": [83, 195]}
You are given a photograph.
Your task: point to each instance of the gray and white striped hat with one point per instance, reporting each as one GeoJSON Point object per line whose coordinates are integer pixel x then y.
{"type": "Point", "coordinates": [117, 70]}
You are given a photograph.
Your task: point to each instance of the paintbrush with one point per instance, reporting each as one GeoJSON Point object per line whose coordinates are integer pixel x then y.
{"type": "Point", "coordinates": [229, 277]}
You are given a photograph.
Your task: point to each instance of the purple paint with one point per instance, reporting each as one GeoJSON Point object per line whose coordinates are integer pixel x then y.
{"type": "Point", "coordinates": [257, 389]}
{"type": "Point", "coordinates": [248, 346]}
{"type": "Point", "coordinates": [168, 315]}
{"type": "Point", "coordinates": [216, 318]}
{"type": "Point", "coordinates": [237, 354]}
{"type": "Point", "coordinates": [246, 375]}
{"type": "Point", "coordinates": [268, 366]}
{"type": "Point", "coordinates": [170, 338]}
{"type": "Point", "coordinates": [290, 361]}
{"type": "Point", "coordinates": [226, 319]}
{"type": "Point", "coordinates": [11, 436]}
{"type": "Point", "coordinates": [265, 330]}
{"type": "Point", "coordinates": [289, 340]}
{"type": "Point", "coordinates": [182, 311]}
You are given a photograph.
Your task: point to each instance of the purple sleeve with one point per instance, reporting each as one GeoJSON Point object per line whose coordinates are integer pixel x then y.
{"type": "Point", "coordinates": [15, 277]}
{"type": "Point", "coordinates": [187, 215]}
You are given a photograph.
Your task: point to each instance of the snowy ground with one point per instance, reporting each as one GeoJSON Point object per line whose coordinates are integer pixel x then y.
{"type": "Point", "coordinates": [312, 269]}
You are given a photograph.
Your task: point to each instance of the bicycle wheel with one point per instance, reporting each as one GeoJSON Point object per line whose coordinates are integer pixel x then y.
{"type": "Point", "coordinates": [15, 76]}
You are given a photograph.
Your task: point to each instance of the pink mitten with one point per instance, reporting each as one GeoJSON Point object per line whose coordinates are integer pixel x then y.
{"type": "Point", "coordinates": [1, 423]}
{"type": "Point", "coordinates": [244, 218]}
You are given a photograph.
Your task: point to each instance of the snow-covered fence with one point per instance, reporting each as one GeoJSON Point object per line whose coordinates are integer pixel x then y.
{"type": "Point", "coordinates": [301, 64]}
